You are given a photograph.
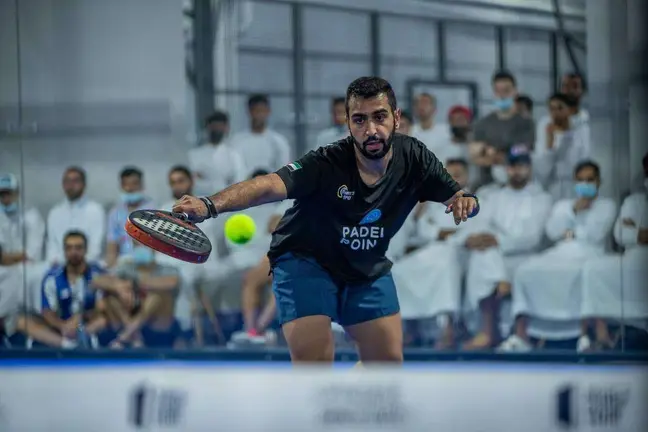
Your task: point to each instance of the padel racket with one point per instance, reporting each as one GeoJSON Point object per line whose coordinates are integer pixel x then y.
{"type": "Point", "coordinates": [169, 233]}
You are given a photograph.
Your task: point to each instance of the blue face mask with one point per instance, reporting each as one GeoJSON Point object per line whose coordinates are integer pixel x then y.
{"type": "Point", "coordinates": [585, 190]}
{"type": "Point", "coordinates": [11, 208]}
{"type": "Point", "coordinates": [132, 197]}
{"type": "Point", "coordinates": [504, 104]}
{"type": "Point", "coordinates": [142, 255]}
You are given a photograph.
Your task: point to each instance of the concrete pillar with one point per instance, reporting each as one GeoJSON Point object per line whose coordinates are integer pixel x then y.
{"type": "Point", "coordinates": [638, 49]}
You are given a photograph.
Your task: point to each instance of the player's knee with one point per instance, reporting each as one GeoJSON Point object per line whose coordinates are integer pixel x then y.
{"type": "Point", "coordinates": [310, 339]}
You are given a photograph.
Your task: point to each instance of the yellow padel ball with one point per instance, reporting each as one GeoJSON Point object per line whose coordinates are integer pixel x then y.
{"type": "Point", "coordinates": [240, 228]}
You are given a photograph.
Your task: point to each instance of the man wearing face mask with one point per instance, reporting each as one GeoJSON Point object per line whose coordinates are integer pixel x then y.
{"type": "Point", "coordinates": [511, 231]}
{"type": "Point", "coordinates": [500, 130]}
{"type": "Point", "coordinates": [566, 142]}
{"type": "Point", "coordinates": [339, 129]}
{"type": "Point", "coordinates": [118, 242]}
{"type": "Point", "coordinates": [546, 289]}
{"type": "Point", "coordinates": [215, 164]}
{"type": "Point", "coordinates": [614, 286]}
{"type": "Point", "coordinates": [78, 213]}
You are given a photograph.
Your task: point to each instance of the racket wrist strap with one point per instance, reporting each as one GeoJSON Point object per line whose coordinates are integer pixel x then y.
{"type": "Point", "coordinates": [211, 208]}
{"type": "Point", "coordinates": [476, 209]}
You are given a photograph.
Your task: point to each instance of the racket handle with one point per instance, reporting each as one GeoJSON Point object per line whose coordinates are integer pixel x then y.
{"type": "Point", "coordinates": [183, 216]}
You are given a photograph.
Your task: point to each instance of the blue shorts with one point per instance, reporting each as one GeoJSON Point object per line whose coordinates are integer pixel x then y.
{"type": "Point", "coordinates": [303, 288]}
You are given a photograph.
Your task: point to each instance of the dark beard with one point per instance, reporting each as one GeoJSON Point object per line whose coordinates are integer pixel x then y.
{"type": "Point", "coordinates": [379, 154]}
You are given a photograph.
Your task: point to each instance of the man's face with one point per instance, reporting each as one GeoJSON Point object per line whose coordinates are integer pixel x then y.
{"type": "Point", "coordinates": [132, 183]}
{"type": "Point", "coordinates": [339, 114]}
{"type": "Point", "coordinates": [180, 184]}
{"type": "Point", "coordinates": [404, 126]}
{"type": "Point", "coordinates": [73, 185]}
{"type": "Point", "coordinates": [588, 175]}
{"type": "Point", "coordinates": [217, 130]}
{"type": "Point", "coordinates": [259, 114]}
{"type": "Point", "coordinates": [8, 197]}
{"type": "Point", "coordinates": [504, 89]}
{"type": "Point", "coordinates": [75, 250]}
{"type": "Point", "coordinates": [518, 174]}
{"type": "Point", "coordinates": [372, 125]}
{"type": "Point", "coordinates": [459, 173]}
{"type": "Point", "coordinates": [424, 108]}
{"type": "Point", "coordinates": [572, 86]}
{"type": "Point", "coordinates": [559, 111]}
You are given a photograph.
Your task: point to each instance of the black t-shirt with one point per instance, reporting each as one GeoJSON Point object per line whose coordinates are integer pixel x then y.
{"type": "Point", "coordinates": [346, 225]}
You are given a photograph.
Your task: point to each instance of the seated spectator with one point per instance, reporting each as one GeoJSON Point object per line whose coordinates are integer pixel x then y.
{"type": "Point", "coordinates": [495, 134]}
{"type": "Point", "coordinates": [78, 213]}
{"type": "Point", "coordinates": [261, 147]}
{"type": "Point", "coordinates": [142, 294]}
{"type": "Point", "coordinates": [524, 106]}
{"type": "Point", "coordinates": [339, 130]}
{"type": "Point", "coordinates": [215, 164]}
{"type": "Point", "coordinates": [566, 143]}
{"type": "Point", "coordinates": [614, 286]}
{"type": "Point", "coordinates": [546, 289]}
{"type": "Point", "coordinates": [508, 231]}
{"type": "Point", "coordinates": [429, 277]}
{"type": "Point", "coordinates": [405, 125]}
{"type": "Point", "coordinates": [132, 198]}
{"type": "Point", "coordinates": [426, 129]}
{"type": "Point", "coordinates": [71, 312]}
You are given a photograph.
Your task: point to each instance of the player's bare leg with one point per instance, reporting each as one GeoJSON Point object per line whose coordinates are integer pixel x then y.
{"type": "Point", "coordinates": [252, 292]}
{"type": "Point", "coordinates": [379, 340]}
{"type": "Point", "coordinates": [310, 339]}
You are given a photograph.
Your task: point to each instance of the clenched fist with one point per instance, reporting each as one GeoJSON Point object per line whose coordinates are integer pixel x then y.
{"type": "Point", "coordinates": [193, 207]}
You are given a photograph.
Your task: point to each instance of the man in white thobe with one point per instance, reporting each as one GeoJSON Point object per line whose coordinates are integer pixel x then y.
{"type": "Point", "coordinates": [615, 286]}
{"type": "Point", "coordinates": [426, 129]}
{"type": "Point", "coordinates": [261, 147]}
{"type": "Point", "coordinates": [338, 130]}
{"type": "Point", "coordinates": [216, 165]}
{"type": "Point", "coordinates": [509, 230]}
{"type": "Point", "coordinates": [76, 213]}
{"type": "Point", "coordinates": [546, 289]}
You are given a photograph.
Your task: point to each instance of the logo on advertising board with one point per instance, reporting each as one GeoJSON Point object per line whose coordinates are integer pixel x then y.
{"type": "Point", "coordinates": [598, 407]}
{"type": "Point", "coordinates": [154, 406]}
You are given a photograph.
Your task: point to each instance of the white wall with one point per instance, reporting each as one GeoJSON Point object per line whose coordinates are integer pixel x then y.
{"type": "Point", "coordinates": [102, 85]}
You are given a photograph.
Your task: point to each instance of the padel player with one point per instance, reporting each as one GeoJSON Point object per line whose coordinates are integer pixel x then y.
{"type": "Point", "coordinates": [328, 252]}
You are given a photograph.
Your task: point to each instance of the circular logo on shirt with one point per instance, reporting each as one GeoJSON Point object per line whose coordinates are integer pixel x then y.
{"type": "Point", "coordinates": [344, 193]}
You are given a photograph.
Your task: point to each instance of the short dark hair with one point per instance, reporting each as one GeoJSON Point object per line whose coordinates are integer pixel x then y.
{"type": "Point", "coordinates": [504, 75]}
{"type": "Point", "coordinates": [588, 164]}
{"type": "Point", "coordinates": [257, 99]}
{"type": "Point", "coordinates": [430, 96]}
{"type": "Point", "coordinates": [369, 87]}
{"type": "Point", "coordinates": [76, 169]}
{"type": "Point", "coordinates": [564, 98]}
{"type": "Point", "coordinates": [407, 115]}
{"type": "Point", "coordinates": [526, 101]}
{"type": "Point", "coordinates": [131, 171]}
{"type": "Point", "coordinates": [181, 169]}
{"type": "Point", "coordinates": [75, 233]}
{"type": "Point", "coordinates": [338, 100]}
{"type": "Point", "coordinates": [217, 117]}
{"type": "Point", "coordinates": [457, 161]}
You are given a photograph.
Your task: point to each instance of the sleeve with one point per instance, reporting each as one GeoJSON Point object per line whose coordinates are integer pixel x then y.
{"type": "Point", "coordinates": [48, 292]}
{"type": "Point", "coordinates": [532, 235]}
{"type": "Point", "coordinates": [35, 236]}
{"type": "Point", "coordinates": [480, 130]}
{"type": "Point", "coordinates": [627, 235]}
{"type": "Point", "coordinates": [436, 184]}
{"type": "Point", "coordinates": [526, 134]}
{"type": "Point", "coordinates": [303, 176]}
{"type": "Point", "coordinates": [53, 246]}
{"type": "Point", "coordinates": [114, 230]}
{"type": "Point", "coordinates": [561, 219]}
{"type": "Point", "coordinates": [96, 234]}
{"type": "Point", "coordinates": [599, 222]}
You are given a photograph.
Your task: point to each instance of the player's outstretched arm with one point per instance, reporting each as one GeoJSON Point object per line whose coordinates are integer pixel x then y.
{"type": "Point", "coordinates": [240, 196]}
{"type": "Point", "coordinates": [462, 206]}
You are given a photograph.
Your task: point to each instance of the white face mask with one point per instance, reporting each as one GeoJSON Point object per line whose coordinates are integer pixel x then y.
{"type": "Point", "coordinates": [499, 174]}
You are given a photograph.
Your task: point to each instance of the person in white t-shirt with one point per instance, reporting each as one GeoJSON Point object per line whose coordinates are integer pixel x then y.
{"type": "Point", "coordinates": [339, 130]}
{"type": "Point", "coordinates": [215, 165]}
{"type": "Point", "coordinates": [261, 147]}
{"type": "Point", "coordinates": [426, 130]}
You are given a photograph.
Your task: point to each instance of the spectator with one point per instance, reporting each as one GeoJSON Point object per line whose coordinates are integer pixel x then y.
{"type": "Point", "coordinates": [459, 119]}
{"type": "Point", "coordinates": [75, 213]}
{"type": "Point", "coordinates": [142, 293]}
{"type": "Point", "coordinates": [547, 288]}
{"type": "Point", "coordinates": [339, 130]}
{"type": "Point", "coordinates": [524, 106]}
{"type": "Point", "coordinates": [261, 147]}
{"type": "Point", "coordinates": [406, 121]}
{"type": "Point", "coordinates": [573, 85]}
{"type": "Point", "coordinates": [507, 232]}
{"type": "Point", "coordinates": [500, 130]}
{"type": "Point", "coordinates": [614, 286]}
{"type": "Point", "coordinates": [566, 143]}
{"type": "Point", "coordinates": [71, 313]}
{"type": "Point", "coordinates": [425, 129]}
{"type": "Point", "coordinates": [215, 164]}
{"type": "Point", "coordinates": [430, 276]}
{"type": "Point", "coordinates": [132, 198]}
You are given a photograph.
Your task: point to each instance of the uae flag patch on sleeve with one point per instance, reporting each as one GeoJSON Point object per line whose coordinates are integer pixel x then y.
{"type": "Point", "coordinates": [294, 166]}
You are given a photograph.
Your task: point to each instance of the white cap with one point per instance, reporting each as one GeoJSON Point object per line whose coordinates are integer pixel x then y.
{"type": "Point", "coordinates": [8, 182]}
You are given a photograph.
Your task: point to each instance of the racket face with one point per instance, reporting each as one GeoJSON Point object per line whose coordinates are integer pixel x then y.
{"type": "Point", "coordinates": [168, 234]}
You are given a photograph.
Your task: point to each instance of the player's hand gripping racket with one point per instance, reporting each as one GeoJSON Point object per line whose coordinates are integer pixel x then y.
{"type": "Point", "coordinates": [169, 233]}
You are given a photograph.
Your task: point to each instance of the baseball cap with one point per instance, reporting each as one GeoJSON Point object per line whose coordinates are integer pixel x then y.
{"type": "Point", "coordinates": [8, 182]}
{"type": "Point", "coordinates": [519, 154]}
